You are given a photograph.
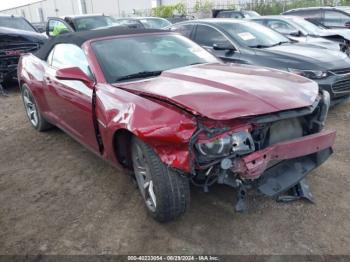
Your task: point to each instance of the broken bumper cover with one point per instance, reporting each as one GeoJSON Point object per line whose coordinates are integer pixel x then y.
{"type": "Point", "coordinates": [285, 175]}
{"type": "Point", "coordinates": [254, 165]}
{"type": "Point", "coordinates": [296, 158]}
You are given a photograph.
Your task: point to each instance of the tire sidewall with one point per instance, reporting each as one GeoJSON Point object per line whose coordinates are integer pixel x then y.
{"type": "Point", "coordinates": [155, 185]}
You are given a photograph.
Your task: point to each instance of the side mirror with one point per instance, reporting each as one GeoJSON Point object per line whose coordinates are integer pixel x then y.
{"type": "Point", "coordinates": [74, 73]}
{"type": "Point", "coordinates": [224, 46]}
{"type": "Point", "coordinates": [296, 33]}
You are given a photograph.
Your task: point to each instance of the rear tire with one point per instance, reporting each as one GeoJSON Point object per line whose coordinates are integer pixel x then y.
{"type": "Point", "coordinates": [165, 192]}
{"type": "Point", "coordinates": [32, 110]}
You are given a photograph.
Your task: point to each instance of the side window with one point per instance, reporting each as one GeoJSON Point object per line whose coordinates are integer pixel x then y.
{"type": "Point", "coordinates": [314, 14]}
{"type": "Point", "coordinates": [335, 18]}
{"type": "Point", "coordinates": [228, 14]}
{"type": "Point", "coordinates": [185, 30]}
{"type": "Point", "coordinates": [236, 15]}
{"type": "Point", "coordinates": [280, 26]}
{"type": "Point", "coordinates": [207, 36]}
{"type": "Point", "coordinates": [57, 27]}
{"type": "Point", "coordinates": [69, 55]}
{"type": "Point", "coordinates": [262, 22]}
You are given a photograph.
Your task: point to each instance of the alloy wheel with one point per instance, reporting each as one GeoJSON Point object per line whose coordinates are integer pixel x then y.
{"type": "Point", "coordinates": [30, 107]}
{"type": "Point", "coordinates": [144, 178]}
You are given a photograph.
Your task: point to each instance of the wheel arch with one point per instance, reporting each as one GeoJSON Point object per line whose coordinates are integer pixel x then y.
{"type": "Point", "coordinates": [122, 147]}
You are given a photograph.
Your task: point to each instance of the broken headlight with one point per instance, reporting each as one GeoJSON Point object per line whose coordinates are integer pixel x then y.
{"type": "Point", "coordinates": [239, 143]}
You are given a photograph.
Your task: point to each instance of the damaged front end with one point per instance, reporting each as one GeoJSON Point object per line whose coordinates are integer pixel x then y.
{"type": "Point", "coordinates": [272, 153]}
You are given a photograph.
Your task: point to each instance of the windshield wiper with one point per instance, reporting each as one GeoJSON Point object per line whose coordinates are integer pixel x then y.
{"type": "Point", "coordinates": [267, 46]}
{"type": "Point", "coordinates": [196, 63]}
{"type": "Point", "coordinates": [259, 46]}
{"type": "Point", "coordinates": [280, 43]}
{"type": "Point", "coordinates": [139, 75]}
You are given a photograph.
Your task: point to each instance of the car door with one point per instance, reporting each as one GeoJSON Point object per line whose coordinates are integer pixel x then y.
{"type": "Point", "coordinates": [57, 26]}
{"type": "Point", "coordinates": [71, 101]}
{"type": "Point", "coordinates": [207, 36]}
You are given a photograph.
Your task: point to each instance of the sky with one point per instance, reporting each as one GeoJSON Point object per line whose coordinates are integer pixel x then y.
{"type": "Point", "coordinates": [6, 4]}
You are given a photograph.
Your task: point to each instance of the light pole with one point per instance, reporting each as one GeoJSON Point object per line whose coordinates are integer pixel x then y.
{"type": "Point", "coordinates": [118, 7]}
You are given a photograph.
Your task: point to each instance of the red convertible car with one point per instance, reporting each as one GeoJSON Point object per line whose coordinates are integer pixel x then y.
{"type": "Point", "coordinates": [159, 105]}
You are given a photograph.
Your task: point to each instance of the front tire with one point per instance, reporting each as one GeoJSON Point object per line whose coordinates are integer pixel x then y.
{"type": "Point", "coordinates": [165, 192]}
{"type": "Point", "coordinates": [32, 110]}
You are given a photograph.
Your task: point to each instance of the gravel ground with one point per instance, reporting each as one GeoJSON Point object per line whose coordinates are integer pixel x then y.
{"type": "Point", "coordinates": [58, 198]}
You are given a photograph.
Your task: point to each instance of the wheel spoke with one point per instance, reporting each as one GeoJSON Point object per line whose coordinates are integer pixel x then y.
{"type": "Point", "coordinates": [30, 108]}
{"type": "Point", "coordinates": [35, 117]}
{"type": "Point", "coordinates": [144, 178]}
{"type": "Point", "coordinates": [26, 100]}
{"type": "Point", "coordinates": [151, 193]}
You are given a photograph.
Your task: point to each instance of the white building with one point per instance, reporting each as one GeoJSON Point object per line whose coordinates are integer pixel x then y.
{"type": "Point", "coordinates": [40, 10]}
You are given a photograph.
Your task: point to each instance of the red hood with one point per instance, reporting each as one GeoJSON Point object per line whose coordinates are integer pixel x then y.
{"type": "Point", "coordinates": [223, 92]}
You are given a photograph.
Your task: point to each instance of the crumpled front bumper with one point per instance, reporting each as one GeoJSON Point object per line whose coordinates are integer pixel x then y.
{"type": "Point", "coordinates": [294, 160]}
{"type": "Point", "coordinates": [253, 165]}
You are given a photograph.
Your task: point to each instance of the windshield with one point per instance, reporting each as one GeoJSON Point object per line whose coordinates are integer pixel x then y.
{"type": "Point", "coordinates": [155, 23]}
{"type": "Point", "coordinates": [345, 9]}
{"type": "Point", "coordinates": [251, 14]}
{"type": "Point", "coordinates": [307, 26]}
{"type": "Point", "coordinates": [252, 34]}
{"type": "Point", "coordinates": [16, 23]}
{"type": "Point", "coordinates": [131, 23]}
{"type": "Point", "coordinates": [121, 57]}
{"type": "Point", "coordinates": [92, 22]}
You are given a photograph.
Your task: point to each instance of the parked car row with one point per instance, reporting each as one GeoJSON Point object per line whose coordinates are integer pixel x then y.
{"type": "Point", "coordinates": [329, 17]}
{"type": "Point", "coordinates": [220, 100]}
{"type": "Point", "coordinates": [245, 42]}
{"type": "Point", "coordinates": [19, 36]}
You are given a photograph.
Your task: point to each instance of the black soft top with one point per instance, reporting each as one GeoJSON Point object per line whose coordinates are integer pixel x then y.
{"type": "Point", "coordinates": [78, 38]}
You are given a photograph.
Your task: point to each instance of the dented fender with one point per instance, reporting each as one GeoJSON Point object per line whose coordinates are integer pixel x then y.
{"type": "Point", "coordinates": [165, 128]}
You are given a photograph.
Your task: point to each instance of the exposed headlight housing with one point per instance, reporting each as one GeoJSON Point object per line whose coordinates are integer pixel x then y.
{"type": "Point", "coordinates": [239, 143]}
{"type": "Point", "coordinates": [312, 74]}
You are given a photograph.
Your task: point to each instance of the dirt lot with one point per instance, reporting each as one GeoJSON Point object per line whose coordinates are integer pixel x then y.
{"type": "Point", "coordinates": [58, 198]}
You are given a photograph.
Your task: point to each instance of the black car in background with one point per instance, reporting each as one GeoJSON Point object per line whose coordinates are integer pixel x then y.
{"type": "Point", "coordinates": [143, 22]}
{"type": "Point", "coordinates": [17, 36]}
{"type": "Point", "coordinates": [246, 42]}
{"type": "Point", "coordinates": [301, 30]}
{"type": "Point", "coordinates": [179, 18]}
{"type": "Point", "coordinates": [75, 23]}
{"type": "Point", "coordinates": [39, 26]}
{"type": "Point", "coordinates": [330, 17]}
{"type": "Point", "coordinates": [227, 13]}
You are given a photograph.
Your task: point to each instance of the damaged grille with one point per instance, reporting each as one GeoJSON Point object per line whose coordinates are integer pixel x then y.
{"type": "Point", "coordinates": [278, 131]}
{"type": "Point", "coordinates": [17, 49]}
{"type": "Point", "coordinates": [8, 64]}
{"type": "Point", "coordinates": [284, 130]}
{"type": "Point", "coordinates": [10, 53]}
{"type": "Point", "coordinates": [274, 128]}
{"type": "Point", "coordinates": [341, 86]}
